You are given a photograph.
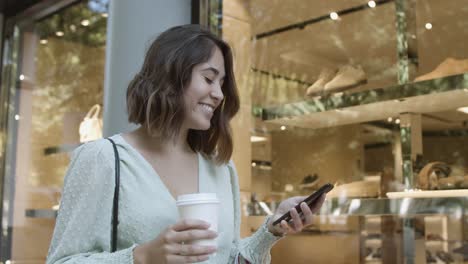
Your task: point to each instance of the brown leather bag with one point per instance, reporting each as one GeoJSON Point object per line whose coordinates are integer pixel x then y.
{"type": "Point", "coordinates": [428, 177]}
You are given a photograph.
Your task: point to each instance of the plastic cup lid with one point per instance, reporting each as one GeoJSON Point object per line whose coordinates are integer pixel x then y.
{"type": "Point", "coordinates": [196, 198]}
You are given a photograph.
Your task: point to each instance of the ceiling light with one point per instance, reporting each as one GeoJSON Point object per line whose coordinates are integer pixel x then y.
{"type": "Point", "coordinates": [73, 28]}
{"type": "Point", "coordinates": [257, 139]}
{"type": "Point", "coordinates": [254, 164]}
{"type": "Point", "coordinates": [463, 109]}
{"type": "Point", "coordinates": [371, 4]}
{"type": "Point", "coordinates": [334, 15]}
{"type": "Point", "coordinates": [17, 117]}
{"type": "Point", "coordinates": [59, 33]}
{"type": "Point", "coordinates": [390, 119]}
{"type": "Point", "coordinates": [43, 41]}
{"type": "Point", "coordinates": [85, 22]}
{"type": "Point", "coordinates": [283, 127]}
{"type": "Point", "coordinates": [288, 187]}
{"type": "Point", "coordinates": [21, 77]}
{"type": "Point", "coordinates": [428, 26]}
{"type": "Point", "coordinates": [397, 121]}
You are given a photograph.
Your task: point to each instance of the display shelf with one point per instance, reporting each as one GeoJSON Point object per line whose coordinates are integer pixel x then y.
{"type": "Point", "coordinates": [61, 149]}
{"type": "Point", "coordinates": [429, 194]}
{"type": "Point", "coordinates": [365, 207]}
{"type": "Point", "coordinates": [404, 207]}
{"type": "Point", "coordinates": [41, 213]}
{"type": "Point", "coordinates": [344, 108]}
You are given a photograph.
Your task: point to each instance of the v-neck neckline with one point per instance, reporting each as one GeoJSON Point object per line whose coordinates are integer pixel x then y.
{"type": "Point", "coordinates": [156, 174]}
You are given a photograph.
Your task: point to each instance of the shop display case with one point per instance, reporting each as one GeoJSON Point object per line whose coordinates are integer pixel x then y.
{"type": "Point", "coordinates": [394, 142]}
{"type": "Point", "coordinates": [52, 74]}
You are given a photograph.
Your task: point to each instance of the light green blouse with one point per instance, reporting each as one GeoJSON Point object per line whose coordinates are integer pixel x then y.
{"type": "Point", "coordinates": [83, 230]}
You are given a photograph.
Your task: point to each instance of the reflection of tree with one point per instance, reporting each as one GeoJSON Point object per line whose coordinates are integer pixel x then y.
{"type": "Point", "coordinates": [69, 22]}
{"type": "Point", "coordinates": [69, 77]}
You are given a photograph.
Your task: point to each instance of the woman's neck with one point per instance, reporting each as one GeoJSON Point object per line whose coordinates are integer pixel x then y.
{"type": "Point", "coordinates": [177, 145]}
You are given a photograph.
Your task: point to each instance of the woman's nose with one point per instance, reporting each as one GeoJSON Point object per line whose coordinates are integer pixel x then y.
{"type": "Point", "coordinates": [217, 93]}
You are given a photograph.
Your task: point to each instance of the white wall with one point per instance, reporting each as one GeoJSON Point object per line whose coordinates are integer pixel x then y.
{"type": "Point", "coordinates": [132, 25]}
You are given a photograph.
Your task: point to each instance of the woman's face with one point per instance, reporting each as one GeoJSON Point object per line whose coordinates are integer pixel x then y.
{"type": "Point", "coordinates": [204, 94]}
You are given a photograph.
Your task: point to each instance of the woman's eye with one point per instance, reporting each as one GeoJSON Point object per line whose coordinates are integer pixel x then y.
{"type": "Point", "coordinates": [208, 80]}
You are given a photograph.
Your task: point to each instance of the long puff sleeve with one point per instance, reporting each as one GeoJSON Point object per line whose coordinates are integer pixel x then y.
{"type": "Point", "coordinates": [255, 248]}
{"type": "Point", "coordinates": [83, 229]}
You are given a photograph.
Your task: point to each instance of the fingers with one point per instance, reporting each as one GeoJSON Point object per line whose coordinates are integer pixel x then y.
{"type": "Point", "coordinates": [178, 251]}
{"type": "Point", "coordinates": [190, 224]}
{"type": "Point", "coordinates": [296, 219]}
{"type": "Point", "coordinates": [189, 250]}
{"type": "Point", "coordinates": [285, 226]}
{"type": "Point", "coordinates": [307, 214]}
{"type": "Point", "coordinates": [299, 221]}
{"type": "Point", "coordinates": [190, 235]}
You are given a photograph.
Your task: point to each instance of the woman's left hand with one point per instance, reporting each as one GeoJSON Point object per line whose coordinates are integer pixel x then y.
{"type": "Point", "coordinates": [296, 224]}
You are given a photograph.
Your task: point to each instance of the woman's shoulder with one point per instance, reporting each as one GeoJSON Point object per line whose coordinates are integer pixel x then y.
{"type": "Point", "coordinates": [100, 149]}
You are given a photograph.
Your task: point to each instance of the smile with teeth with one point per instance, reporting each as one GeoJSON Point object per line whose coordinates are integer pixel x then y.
{"type": "Point", "coordinates": [207, 108]}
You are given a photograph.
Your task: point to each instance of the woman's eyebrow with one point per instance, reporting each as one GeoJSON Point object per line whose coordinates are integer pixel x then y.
{"type": "Point", "coordinates": [214, 70]}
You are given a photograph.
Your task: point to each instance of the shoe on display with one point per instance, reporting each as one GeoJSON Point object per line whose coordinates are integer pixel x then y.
{"type": "Point", "coordinates": [309, 181]}
{"type": "Point", "coordinates": [463, 250]}
{"type": "Point", "coordinates": [378, 253]}
{"type": "Point", "coordinates": [452, 182]}
{"type": "Point", "coordinates": [449, 66]}
{"type": "Point", "coordinates": [464, 183]}
{"type": "Point", "coordinates": [317, 87]}
{"type": "Point", "coordinates": [434, 237]}
{"type": "Point", "coordinates": [347, 77]}
{"type": "Point", "coordinates": [356, 189]}
{"type": "Point", "coordinates": [368, 252]}
{"type": "Point", "coordinates": [444, 256]}
{"type": "Point", "coordinates": [430, 258]}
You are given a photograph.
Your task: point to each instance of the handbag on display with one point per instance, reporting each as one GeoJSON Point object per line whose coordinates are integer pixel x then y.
{"type": "Point", "coordinates": [91, 126]}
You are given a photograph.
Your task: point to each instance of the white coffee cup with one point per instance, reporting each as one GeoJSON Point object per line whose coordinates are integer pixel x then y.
{"type": "Point", "coordinates": [201, 206]}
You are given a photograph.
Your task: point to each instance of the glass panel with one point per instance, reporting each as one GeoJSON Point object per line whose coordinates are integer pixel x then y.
{"type": "Point", "coordinates": [366, 95]}
{"type": "Point", "coordinates": [60, 77]}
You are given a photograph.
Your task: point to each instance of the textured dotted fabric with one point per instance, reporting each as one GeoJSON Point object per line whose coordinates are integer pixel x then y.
{"type": "Point", "coordinates": [83, 229]}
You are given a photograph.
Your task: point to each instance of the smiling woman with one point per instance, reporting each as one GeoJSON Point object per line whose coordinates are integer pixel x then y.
{"type": "Point", "coordinates": [183, 99]}
{"type": "Point", "coordinates": [154, 96]}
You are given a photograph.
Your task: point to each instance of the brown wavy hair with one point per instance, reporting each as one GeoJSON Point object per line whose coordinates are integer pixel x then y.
{"type": "Point", "coordinates": [155, 95]}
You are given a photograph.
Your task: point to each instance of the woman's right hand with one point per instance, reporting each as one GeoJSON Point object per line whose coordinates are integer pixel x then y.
{"type": "Point", "coordinates": [171, 246]}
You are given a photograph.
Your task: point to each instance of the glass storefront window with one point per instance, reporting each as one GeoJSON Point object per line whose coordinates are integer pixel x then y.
{"type": "Point", "coordinates": [56, 75]}
{"type": "Point", "coordinates": [368, 96]}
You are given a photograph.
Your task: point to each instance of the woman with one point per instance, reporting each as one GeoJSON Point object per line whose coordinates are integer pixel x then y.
{"type": "Point", "coordinates": [183, 98]}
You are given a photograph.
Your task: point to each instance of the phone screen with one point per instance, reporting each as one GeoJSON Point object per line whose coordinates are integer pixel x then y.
{"type": "Point", "coordinates": [309, 201]}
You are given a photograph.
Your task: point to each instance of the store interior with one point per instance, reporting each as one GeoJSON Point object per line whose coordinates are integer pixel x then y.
{"type": "Point", "coordinates": [331, 102]}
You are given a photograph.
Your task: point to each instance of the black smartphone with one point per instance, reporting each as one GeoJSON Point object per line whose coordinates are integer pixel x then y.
{"type": "Point", "coordinates": [309, 201]}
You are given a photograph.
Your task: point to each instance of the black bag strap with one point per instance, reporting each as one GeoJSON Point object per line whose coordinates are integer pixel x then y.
{"type": "Point", "coordinates": [115, 206]}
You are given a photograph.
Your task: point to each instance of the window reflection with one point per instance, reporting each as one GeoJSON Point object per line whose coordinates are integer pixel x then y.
{"type": "Point", "coordinates": [363, 95]}
{"type": "Point", "coordinates": [60, 76]}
